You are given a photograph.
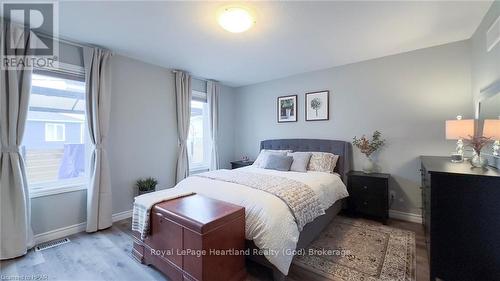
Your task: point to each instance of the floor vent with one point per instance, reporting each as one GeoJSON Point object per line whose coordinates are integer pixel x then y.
{"type": "Point", "coordinates": [51, 244]}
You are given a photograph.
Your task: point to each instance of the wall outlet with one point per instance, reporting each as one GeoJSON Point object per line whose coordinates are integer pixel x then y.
{"type": "Point", "coordinates": [392, 196]}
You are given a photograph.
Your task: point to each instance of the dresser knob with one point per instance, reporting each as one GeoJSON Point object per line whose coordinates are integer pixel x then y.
{"type": "Point", "coordinates": [365, 187]}
{"type": "Point", "coordinates": [365, 203]}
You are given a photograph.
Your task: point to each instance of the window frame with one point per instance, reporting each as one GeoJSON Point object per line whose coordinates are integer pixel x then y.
{"type": "Point", "coordinates": [53, 137]}
{"type": "Point", "coordinates": [199, 96]}
{"type": "Point", "coordinates": [64, 186]}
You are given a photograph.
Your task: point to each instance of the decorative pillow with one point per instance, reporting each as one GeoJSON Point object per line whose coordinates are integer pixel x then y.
{"type": "Point", "coordinates": [278, 162]}
{"type": "Point", "coordinates": [300, 161]}
{"type": "Point", "coordinates": [323, 162]}
{"type": "Point", "coordinates": [266, 152]}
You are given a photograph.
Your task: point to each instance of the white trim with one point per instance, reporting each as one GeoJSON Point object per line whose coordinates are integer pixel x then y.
{"type": "Point", "coordinates": [55, 121]}
{"type": "Point", "coordinates": [410, 217]}
{"type": "Point", "coordinates": [41, 192]}
{"type": "Point", "coordinates": [122, 215]}
{"type": "Point", "coordinates": [74, 229]}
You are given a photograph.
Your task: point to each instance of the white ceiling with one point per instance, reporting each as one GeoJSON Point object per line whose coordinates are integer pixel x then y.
{"type": "Point", "coordinates": [288, 37]}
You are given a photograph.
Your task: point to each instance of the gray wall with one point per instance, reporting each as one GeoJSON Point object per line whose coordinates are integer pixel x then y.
{"type": "Point", "coordinates": [407, 97]}
{"type": "Point", "coordinates": [485, 65]}
{"type": "Point", "coordinates": [142, 141]}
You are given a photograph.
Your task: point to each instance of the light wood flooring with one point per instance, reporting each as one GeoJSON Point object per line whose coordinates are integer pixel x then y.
{"type": "Point", "coordinates": [106, 255]}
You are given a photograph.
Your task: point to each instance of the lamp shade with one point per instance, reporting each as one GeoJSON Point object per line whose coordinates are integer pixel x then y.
{"type": "Point", "coordinates": [459, 129]}
{"type": "Point", "coordinates": [491, 129]}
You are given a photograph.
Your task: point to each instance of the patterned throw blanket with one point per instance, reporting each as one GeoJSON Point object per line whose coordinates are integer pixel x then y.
{"type": "Point", "coordinates": [300, 198]}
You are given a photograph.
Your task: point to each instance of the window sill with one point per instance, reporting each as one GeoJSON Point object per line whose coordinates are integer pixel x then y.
{"type": "Point", "coordinates": [55, 190]}
{"type": "Point", "coordinates": [198, 170]}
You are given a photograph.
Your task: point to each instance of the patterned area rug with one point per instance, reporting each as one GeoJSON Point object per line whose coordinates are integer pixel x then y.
{"type": "Point", "coordinates": [351, 249]}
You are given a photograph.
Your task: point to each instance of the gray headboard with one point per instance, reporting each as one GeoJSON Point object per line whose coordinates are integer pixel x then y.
{"type": "Point", "coordinates": [337, 147]}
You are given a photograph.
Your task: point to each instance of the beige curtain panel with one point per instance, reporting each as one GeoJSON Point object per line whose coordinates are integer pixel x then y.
{"type": "Point", "coordinates": [98, 98]}
{"type": "Point", "coordinates": [213, 89]}
{"type": "Point", "coordinates": [183, 100]}
{"type": "Point", "coordinates": [15, 86]}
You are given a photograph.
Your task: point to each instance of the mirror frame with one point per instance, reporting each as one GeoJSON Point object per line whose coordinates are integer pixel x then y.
{"type": "Point", "coordinates": [484, 94]}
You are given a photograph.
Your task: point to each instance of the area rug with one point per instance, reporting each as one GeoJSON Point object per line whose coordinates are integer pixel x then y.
{"type": "Point", "coordinates": [350, 249]}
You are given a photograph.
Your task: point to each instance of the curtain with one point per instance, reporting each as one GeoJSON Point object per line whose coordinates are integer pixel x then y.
{"type": "Point", "coordinates": [183, 100]}
{"type": "Point", "coordinates": [15, 87]}
{"type": "Point", "coordinates": [213, 89]}
{"type": "Point", "coordinates": [98, 98]}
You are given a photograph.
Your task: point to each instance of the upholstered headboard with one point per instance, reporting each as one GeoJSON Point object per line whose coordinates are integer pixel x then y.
{"type": "Point", "coordinates": [337, 147]}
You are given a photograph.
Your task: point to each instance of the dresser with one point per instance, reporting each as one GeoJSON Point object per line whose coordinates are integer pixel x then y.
{"type": "Point", "coordinates": [195, 238]}
{"type": "Point", "coordinates": [461, 216]}
{"type": "Point", "coordinates": [368, 195]}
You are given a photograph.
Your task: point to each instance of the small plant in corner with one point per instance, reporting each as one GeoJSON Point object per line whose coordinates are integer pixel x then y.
{"type": "Point", "coordinates": [146, 185]}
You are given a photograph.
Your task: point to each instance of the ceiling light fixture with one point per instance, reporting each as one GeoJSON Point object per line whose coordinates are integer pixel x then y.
{"type": "Point", "coordinates": [234, 19]}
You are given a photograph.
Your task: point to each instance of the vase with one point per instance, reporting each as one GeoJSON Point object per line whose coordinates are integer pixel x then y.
{"type": "Point", "coordinates": [368, 165]}
{"type": "Point", "coordinates": [478, 161]}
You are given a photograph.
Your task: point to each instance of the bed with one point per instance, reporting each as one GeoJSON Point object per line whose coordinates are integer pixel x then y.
{"type": "Point", "coordinates": [270, 224]}
{"type": "Point", "coordinates": [313, 229]}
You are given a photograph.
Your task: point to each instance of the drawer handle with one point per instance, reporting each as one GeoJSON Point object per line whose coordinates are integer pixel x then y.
{"type": "Point", "coordinates": [365, 187]}
{"type": "Point", "coordinates": [365, 203]}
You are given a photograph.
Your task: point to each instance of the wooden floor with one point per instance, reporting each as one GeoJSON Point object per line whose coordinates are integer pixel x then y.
{"type": "Point", "coordinates": [106, 255]}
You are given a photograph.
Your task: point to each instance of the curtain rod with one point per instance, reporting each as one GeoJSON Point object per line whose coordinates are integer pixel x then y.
{"type": "Point", "coordinates": [196, 77]}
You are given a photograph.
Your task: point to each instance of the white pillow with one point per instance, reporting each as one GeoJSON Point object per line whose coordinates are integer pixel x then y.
{"type": "Point", "coordinates": [323, 162]}
{"type": "Point", "coordinates": [261, 159]}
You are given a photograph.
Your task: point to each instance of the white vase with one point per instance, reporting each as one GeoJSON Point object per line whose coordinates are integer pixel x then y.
{"type": "Point", "coordinates": [368, 165]}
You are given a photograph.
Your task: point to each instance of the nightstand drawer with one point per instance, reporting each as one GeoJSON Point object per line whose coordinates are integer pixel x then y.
{"type": "Point", "coordinates": [366, 185]}
{"type": "Point", "coordinates": [368, 204]}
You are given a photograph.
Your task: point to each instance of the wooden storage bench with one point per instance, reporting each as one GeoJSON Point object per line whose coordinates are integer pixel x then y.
{"type": "Point", "coordinates": [185, 234]}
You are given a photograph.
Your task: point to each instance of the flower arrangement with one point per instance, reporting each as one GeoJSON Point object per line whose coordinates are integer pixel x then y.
{"type": "Point", "coordinates": [367, 147]}
{"type": "Point", "coordinates": [477, 143]}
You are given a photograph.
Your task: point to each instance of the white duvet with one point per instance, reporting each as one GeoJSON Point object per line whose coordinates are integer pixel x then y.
{"type": "Point", "coordinates": [269, 221]}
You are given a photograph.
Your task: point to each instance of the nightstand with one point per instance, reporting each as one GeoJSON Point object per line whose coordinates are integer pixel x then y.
{"type": "Point", "coordinates": [369, 195]}
{"type": "Point", "coordinates": [239, 164]}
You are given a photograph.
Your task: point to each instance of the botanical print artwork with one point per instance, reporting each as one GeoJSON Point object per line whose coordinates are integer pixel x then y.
{"type": "Point", "coordinates": [317, 106]}
{"type": "Point", "coordinates": [287, 109]}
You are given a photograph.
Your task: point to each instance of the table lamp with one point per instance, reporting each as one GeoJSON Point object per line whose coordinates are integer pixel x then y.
{"type": "Point", "coordinates": [491, 129]}
{"type": "Point", "coordinates": [459, 129]}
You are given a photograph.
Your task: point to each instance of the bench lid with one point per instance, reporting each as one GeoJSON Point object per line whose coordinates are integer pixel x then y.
{"type": "Point", "coordinates": [199, 213]}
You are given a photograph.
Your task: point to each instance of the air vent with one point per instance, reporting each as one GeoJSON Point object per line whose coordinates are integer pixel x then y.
{"type": "Point", "coordinates": [51, 244]}
{"type": "Point", "coordinates": [493, 35]}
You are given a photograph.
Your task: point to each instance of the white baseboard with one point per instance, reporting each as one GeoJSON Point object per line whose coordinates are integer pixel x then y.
{"type": "Point", "coordinates": [410, 217]}
{"type": "Point", "coordinates": [122, 215]}
{"type": "Point", "coordinates": [73, 229]}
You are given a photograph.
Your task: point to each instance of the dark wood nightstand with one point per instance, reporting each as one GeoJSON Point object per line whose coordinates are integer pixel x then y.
{"type": "Point", "coordinates": [369, 195]}
{"type": "Point", "coordinates": [239, 164]}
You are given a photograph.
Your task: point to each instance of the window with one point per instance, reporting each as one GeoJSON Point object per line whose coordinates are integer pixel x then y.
{"type": "Point", "coordinates": [56, 145]}
{"type": "Point", "coordinates": [199, 135]}
{"type": "Point", "coordinates": [55, 132]}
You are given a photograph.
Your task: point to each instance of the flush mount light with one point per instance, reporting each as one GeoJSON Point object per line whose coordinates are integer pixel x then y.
{"type": "Point", "coordinates": [235, 19]}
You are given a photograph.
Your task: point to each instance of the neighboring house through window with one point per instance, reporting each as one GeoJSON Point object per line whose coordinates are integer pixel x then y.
{"type": "Point", "coordinates": [56, 145]}
{"type": "Point", "coordinates": [199, 135]}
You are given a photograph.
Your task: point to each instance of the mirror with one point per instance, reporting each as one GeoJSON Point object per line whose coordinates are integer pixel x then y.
{"type": "Point", "coordinates": [487, 108]}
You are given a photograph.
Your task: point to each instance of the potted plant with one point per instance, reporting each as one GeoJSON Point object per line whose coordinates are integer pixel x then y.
{"type": "Point", "coordinates": [146, 185]}
{"type": "Point", "coordinates": [477, 143]}
{"type": "Point", "coordinates": [368, 147]}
